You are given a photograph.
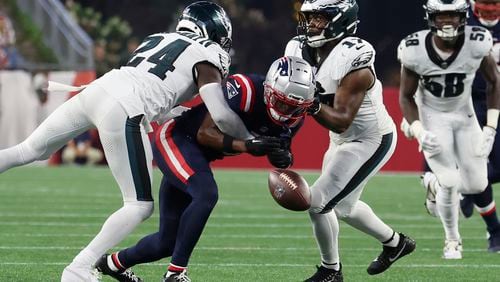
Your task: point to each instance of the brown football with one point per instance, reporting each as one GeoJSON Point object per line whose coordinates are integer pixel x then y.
{"type": "Point", "coordinates": [289, 189]}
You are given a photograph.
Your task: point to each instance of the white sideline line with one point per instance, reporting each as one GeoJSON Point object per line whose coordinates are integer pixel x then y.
{"type": "Point", "coordinates": [277, 265]}
{"type": "Point", "coordinates": [217, 225]}
{"type": "Point", "coordinates": [201, 248]}
{"type": "Point", "coordinates": [222, 236]}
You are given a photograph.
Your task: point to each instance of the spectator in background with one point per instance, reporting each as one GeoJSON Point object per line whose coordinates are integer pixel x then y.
{"type": "Point", "coordinates": [80, 151]}
{"type": "Point", "coordinates": [132, 44]}
{"type": "Point", "coordinates": [101, 63]}
{"type": "Point", "coordinates": [9, 57]}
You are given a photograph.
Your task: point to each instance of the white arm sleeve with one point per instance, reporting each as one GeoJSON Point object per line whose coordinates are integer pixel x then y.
{"type": "Point", "coordinates": [225, 119]}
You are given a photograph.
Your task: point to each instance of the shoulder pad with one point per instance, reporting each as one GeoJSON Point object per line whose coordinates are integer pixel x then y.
{"type": "Point", "coordinates": [219, 58]}
{"type": "Point", "coordinates": [409, 48]}
{"type": "Point", "coordinates": [480, 40]}
{"type": "Point", "coordinates": [356, 54]}
{"type": "Point", "coordinates": [240, 93]}
{"type": "Point", "coordinates": [294, 46]}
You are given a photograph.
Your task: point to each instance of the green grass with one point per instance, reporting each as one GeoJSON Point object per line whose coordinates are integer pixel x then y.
{"type": "Point", "coordinates": [48, 214]}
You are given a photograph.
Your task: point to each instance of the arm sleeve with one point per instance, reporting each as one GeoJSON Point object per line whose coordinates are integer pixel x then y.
{"type": "Point", "coordinates": [225, 119]}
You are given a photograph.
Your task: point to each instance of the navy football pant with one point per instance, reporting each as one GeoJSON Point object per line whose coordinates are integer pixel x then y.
{"type": "Point", "coordinates": [188, 194]}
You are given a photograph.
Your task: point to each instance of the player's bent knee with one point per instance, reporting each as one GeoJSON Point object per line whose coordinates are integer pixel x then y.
{"type": "Point", "coordinates": [449, 180]}
{"type": "Point", "coordinates": [143, 209]}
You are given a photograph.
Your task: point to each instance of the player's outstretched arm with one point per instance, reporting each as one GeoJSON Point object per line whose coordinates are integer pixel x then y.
{"type": "Point", "coordinates": [210, 136]}
{"type": "Point", "coordinates": [348, 99]}
{"type": "Point", "coordinates": [209, 85]}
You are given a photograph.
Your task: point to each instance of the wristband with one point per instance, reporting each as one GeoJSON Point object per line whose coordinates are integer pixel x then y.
{"type": "Point", "coordinates": [227, 144]}
{"type": "Point", "coordinates": [492, 118]}
{"type": "Point", "coordinates": [416, 128]}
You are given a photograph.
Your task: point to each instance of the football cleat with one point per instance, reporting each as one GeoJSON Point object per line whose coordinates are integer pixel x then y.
{"type": "Point", "coordinates": [324, 274]}
{"type": "Point", "coordinates": [176, 277]}
{"type": "Point", "coordinates": [452, 249]}
{"type": "Point", "coordinates": [428, 180]}
{"type": "Point", "coordinates": [466, 206]}
{"type": "Point", "coordinates": [494, 242]}
{"type": "Point", "coordinates": [79, 273]}
{"type": "Point", "coordinates": [390, 255]}
{"type": "Point", "coordinates": [123, 276]}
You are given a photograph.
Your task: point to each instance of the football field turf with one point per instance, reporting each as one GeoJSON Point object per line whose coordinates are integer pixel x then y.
{"type": "Point", "coordinates": [48, 214]}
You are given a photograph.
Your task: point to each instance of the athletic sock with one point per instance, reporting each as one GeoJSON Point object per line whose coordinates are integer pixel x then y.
{"type": "Point", "coordinates": [486, 206]}
{"type": "Point", "coordinates": [173, 269]}
{"type": "Point", "coordinates": [114, 263]}
{"type": "Point", "coordinates": [334, 266]}
{"type": "Point", "coordinates": [393, 241]}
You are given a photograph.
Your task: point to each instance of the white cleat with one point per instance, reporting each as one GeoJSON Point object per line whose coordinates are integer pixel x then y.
{"type": "Point", "coordinates": [79, 273]}
{"type": "Point", "coordinates": [452, 249]}
{"type": "Point", "coordinates": [428, 180]}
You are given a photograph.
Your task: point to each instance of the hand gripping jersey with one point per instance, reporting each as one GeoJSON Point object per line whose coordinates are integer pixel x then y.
{"type": "Point", "coordinates": [245, 96]}
{"type": "Point", "coordinates": [445, 85]}
{"type": "Point", "coordinates": [348, 55]}
{"type": "Point", "coordinates": [161, 73]}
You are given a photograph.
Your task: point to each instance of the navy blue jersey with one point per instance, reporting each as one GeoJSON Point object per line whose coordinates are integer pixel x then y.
{"type": "Point", "coordinates": [245, 96]}
{"type": "Point", "coordinates": [479, 84]}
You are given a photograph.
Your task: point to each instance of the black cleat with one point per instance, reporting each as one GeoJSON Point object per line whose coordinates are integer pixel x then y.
{"type": "Point", "coordinates": [324, 274]}
{"type": "Point", "coordinates": [390, 255]}
{"type": "Point", "coordinates": [123, 276]}
{"type": "Point", "coordinates": [176, 277]}
{"type": "Point", "coordinates": [466, 206]}
{"type": "Point", "coordinates": [494, 242]}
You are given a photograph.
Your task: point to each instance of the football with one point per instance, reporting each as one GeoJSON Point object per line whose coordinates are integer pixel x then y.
{"type": "Point", "coordinates": [289, 189]}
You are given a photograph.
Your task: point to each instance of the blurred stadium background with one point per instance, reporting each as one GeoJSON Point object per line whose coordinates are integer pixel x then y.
{"type": "Point", "coordinates": [48, 214]}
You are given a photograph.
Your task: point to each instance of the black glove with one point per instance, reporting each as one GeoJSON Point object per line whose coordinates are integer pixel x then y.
{"type": "Point", "coordinates": [281, 158]}
{"type": "Point", "coordinates": [262, 145]}
{"type": "Point", "coordinates": [315, 107]}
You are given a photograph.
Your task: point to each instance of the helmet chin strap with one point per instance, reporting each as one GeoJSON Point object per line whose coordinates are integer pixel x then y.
{"type": "Point", "coordinates": [319, 40]}
{"type": "Point", "coordinates": [488, 23]}
{"type": "Point", "coordinates": [447, 33]}
{"type": "Point", "coordinates": [277, 117]}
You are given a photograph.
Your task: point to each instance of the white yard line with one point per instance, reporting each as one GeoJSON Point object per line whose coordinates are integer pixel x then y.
{"type": "Point", "coordinates": [224, 265]}
{"type": "Point", "coordinates": [224, 236]}
{"type": "Point", "coordinates": [203, 248]}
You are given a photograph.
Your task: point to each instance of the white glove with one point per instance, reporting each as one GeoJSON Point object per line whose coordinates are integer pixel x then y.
{"type": "Point", "coordinates": [406, 129]}
{"type": "Point", "coordinates": [486, 145]}
{"type": "Point", "coordinates": [427, 140]}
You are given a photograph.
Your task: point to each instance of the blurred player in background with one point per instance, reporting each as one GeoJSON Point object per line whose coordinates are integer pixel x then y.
{"type": "Point", "coordinates": [441, 115]}
{"type": "Point", "coordinates": [166, 70]}
{"type": "Point", "coordinates": [362, 134]}
{"type": "Point", "coordinates": [185, 146]}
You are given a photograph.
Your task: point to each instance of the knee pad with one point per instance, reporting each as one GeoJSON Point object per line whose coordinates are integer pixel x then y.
{"type": "Point", "coordinates": [343, 212]}
{"type": "Point", "coordinates": [449, 179]}
{"type": "Point", "coordinates": [143, 209]}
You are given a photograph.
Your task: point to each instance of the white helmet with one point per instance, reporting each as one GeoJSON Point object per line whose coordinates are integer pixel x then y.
{"type": "Point", "coordinates": [289, 89]}
{"type": "Point", "coordinates": [488, 13]}
{"type": "Point", "coordinates": [435, 7]}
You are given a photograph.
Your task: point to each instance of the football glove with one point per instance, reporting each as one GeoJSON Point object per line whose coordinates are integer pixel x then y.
{"type": "Point", "coordinates": [280, 158]}
{"type": "Point", "coordinates": [486, 144]}
{"type": "Point", "coordinates": [262, 145]}
{"type": "Point", "coordinates": [428, 142]}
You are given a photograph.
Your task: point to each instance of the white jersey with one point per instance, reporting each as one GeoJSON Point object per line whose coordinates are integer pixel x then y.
{"type": "Point", "coordinates": [445, 85]}
{"type": "Point", "coordinates": [161, 73]}
{"type": "Point", "coordinates": [348, 55]}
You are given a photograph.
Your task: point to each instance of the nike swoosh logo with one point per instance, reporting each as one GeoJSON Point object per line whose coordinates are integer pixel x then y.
{"type": "Point", "coordinates": [398, 254]}
{"type": "Point", "coordinates": [470, 116]}
{"type": "Point", "coordinates": [359, 47]}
